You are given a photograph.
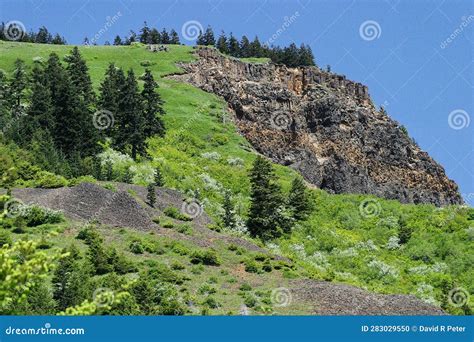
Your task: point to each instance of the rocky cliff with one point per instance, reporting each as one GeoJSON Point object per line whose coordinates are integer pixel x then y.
{"type": "Point", "coordinates": [324, 126]}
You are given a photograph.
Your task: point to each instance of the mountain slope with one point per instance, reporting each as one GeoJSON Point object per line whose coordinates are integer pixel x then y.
{"type": "Point", "coordinates": [324, 126]}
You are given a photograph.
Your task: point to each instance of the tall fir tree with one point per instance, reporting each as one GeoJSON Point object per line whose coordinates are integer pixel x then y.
{"type": "Point", "coordinates": [174, 38]}
{"type": "Point", "coordinates": [233, 46]}
{"type": "Point", "coordinates": [152, 107]}
{"type": "Point", "coordinates": [209, 39]}
{"type": "Point", "coordinates": [265, 219]}
{"type": "Point", "coordinates": [79, 74]}
{"type": "Point", "coordinates": [17, 86]}
{"type": "Point", "coordinates": [159, 181]}
{"type": "Point", "coordinates": [298, 200]}
{"type": "Point", "coordinates": [245, 47]}
{"type": "Point", "coordinates": [118, 40]}
{"type": "Point", "coordinates": [228, 216]}
{"type": "Point", "coordinates": [145, 34]}
{"type": "Point", "coordinates": [221, 43]}
{"type": "Point", "coordinates": [165, 37]}
{"type": "Point", "coordinates": [151, 195]}
{"type": "Point", "coordinates": [155, 37]}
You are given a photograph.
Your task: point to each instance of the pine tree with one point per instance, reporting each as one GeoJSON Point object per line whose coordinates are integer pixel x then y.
{"type": "Point", "coordinates": [109, 95]}
{"type": "Point", "coordinates": [291, 55]}
{"type": "Point", "coordinates": [71, 281]}
{"type": "Point", "coordinates": [79, 75]}
{"type": "Point", "coordinates": [152, 107]}
{"type": "Point", "coordinates": [208, 38]}
{"type": "Point", "coordinates": [265, 219]}
{"type": "Point", "coordinates": [233, 46]}
{"type": "Point", "coordinates": [109, 171]}
{"type": "Point", "coordinates": [174, 38]}
{"type": "Point", "coordinates": [165, 38]}
{"type": "Point", "coordinates": [159, 181]}
{"type": "Point", "coordinates": [117, 40]}
{"type": "Point", "coordinates": [145, 34]}
{"type": "Point", "coordinates": [43, 36]}
{"type": "Point", "coordinates": [245, 47]}
{"type": "Point", "coordinates": [221, 43]}
{"type": "Point", "coordinates": [130, 130]}
{"type": "Point", "coordinates": [128, 176]}
{"type": "Point", "coordinates": [228, 217]}
{"type": "Point", "coordinates": [305, 56]}
{"type": "Point", "coordinates": [255, 48]}
{"type": "Point", "coordinates": [151, 195]}
{"type": "Point", "coordinates": [155, 37]}
{"type": "Point", "coordinates": [298, 200]}
{"type": "Point", "coordinates": [18, 85]}
{"type": "Point", "coordinates": [200, 39]}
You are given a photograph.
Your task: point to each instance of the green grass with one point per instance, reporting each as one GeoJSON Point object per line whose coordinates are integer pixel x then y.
{"type": "Point", "coordinates": [321, 246]}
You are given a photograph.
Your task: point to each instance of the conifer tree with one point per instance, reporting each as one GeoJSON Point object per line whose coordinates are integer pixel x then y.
{"type": "Point", "coordinates": [155, 37]}
{"type": "Point", "coordinates": [265, 219]}
{"type": "Point", "coordinates": [159, 181]}
{"type": "Point", "coordinates": [174, 38]}
{"type": "Point", "coordinates": [151, 195]}
{"type": "Point", "coordinates": [245, 47]}
{"type": "Point", "coordinates": [128, 176]}
{"type": "Point", "coordinates": [228, 217]}
{"type": "Point", "coordinates": [298, 200]}
{"type": "Point", "coordinates": [40, 113]}
{"type": "Point", "coordinates": [255, 48]}
{"type": "Point", "coordinates": [200, 39]}
{"type": "Point", "coordinates": [165, 37]}
{"type": "Point", "coordinates": [109, 95]}
{"type": "Point", "coordinates": [221, 43]}
{"type": "Point", "coordinates": [233, 46]}
{"type": "Point", "coordinates": [145, 34]}
{"type": "Point", "coordinates": [208, 37]}
{"type": "Point", "coordinates": [18, 85]}
{"type": "Point", "coordinates": [117, 40]}
{"type": "Point", "coordinates": [79, 75]}
{"type": "Point", "coordinates": [152, 107]}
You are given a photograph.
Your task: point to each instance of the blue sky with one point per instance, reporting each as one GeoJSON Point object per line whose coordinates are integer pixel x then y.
{"type": "Point", "coordinates": [399, 48]}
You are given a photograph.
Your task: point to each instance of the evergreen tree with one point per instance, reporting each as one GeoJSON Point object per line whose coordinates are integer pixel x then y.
{"type": "Point", "coordinates": [128, 176]}
{"type": "Point", "coordinates": [152, 107]}
{"type": "Point", "coordinates": [145, 34]}
{"type": "Point", "coordinates": [70, 280]}
{"type": "Point", "coordinates": [18, 85]}
{"type": "Point", "coordinates": [155, 37]}
{"type": "Point", "coordinates": [79, 75]}
{"type": "Point", "coordinates": [245, 47]}
{"type": "Point", "coordinates": [200, 39]}
{"type": "Point", "coordinates": [109, 171]}
{"type": "Point", "coordinates": [291, 55]}
{"type": "Point", "coordinates": [109, 95]}
{"type": "Point", "coordinates": [58, 40]}
{"type": "Point", "coordinates": [298, 200]}
{"type": "Point", "coordinates": [151, 195]}
{"type": "Point", "coordinates": [221, 43]}
{"type": "Point", "coordinates": [117, 40]}
{"type": "Point", "coordinates": [43, 36]}
{"type": "Point", "coordinates": [45, 153]}
{"type": "Point", "coordinates": [208, 37]}
{"type": "Point", "coordinates": [130, 130]}
{"type": "Point", "coordinates": [165, 37]}
{"type": "Point", "coordinates": [174, 38]}
{"type": "Point", "coordinates": [265, 219]}
{"type": "Point", "coordinates": [305, 56]}
{"type": "Point", "coordinates": [159, 181]}
{"type": "Point", "coordinates": [233, 46]}
{"type": "Point", "coordinates": [228, 217]}
{"type": "Point", "coordinates": [255, 48]}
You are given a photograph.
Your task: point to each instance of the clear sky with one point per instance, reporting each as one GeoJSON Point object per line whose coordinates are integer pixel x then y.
{"type": "Point", "coordinates": [416, 56]}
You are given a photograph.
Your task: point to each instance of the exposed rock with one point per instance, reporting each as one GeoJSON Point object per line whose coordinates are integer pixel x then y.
{"type": "Point", "coordinates": [324, 126]}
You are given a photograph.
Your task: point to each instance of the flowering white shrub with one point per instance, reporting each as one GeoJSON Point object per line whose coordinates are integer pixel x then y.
{"type": "Point", "coordinates": [210, 183]}
{"type": "Point", "coordinates": [319, 259]}
{"type": "Point", "coordinates": [425, 293]}
{"type": "Point", "coordinates": [298, 249]}
{"type": "Point", "coordinates": [142, 173]}
{"type": "Point", "coordinates": [368, 245]}
{"type": "Point", "coordinates": [346, 253]}
{"type": "Point", "coordinates": [383, 269]}
{"type": "Point", "coordinates": [211, 155]}
{"type": "Point", "coordinates": [393, 243]}
{"type": "Point", "coordinates": [235, 161]}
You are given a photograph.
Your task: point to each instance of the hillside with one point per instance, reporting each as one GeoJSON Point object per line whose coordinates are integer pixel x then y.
{"type": "Point", "coordinates": [348, 238]}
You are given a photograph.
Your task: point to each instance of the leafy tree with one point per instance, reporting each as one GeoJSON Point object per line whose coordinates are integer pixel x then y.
{"type": "Point", "coordinates": [265, 219]}
{"type": "Point", "coordinates": [151, 195]}
{"type": "Point", "coordinates": [298, 200]}
{"type": "Point", "coordinates": [228, 217]}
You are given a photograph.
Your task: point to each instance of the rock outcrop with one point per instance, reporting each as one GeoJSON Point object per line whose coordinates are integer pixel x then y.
{"type": "Point", "coordinates": [324, 126]}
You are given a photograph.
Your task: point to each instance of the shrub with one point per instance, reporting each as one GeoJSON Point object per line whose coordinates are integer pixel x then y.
{"type": "Point", "coordinates": [251, 266]}
{"type": "Point", "coordinates": [45, 179]}
{"type": "Point", "coordinates": [250, 300]}
{"type": "Point", "coordinates": [147, 63]}
{"type": "Point", "coordinates": [176, 214]}
{"type": "Point", "coordinates": [185, 229]}
{"type": "Point", "coordinates": [5, 238]}
{"type": "Point", "coordinates": [206, 289]}
{"type": "Point", "coordinates": [110, 186]}
{"type": "Point", "coordinates": [211, 302]}
{"type": "Point", "coordinates": [156, 220]}
{"type": "Point", "coordinates": [136, 247]}
{"type": "Point", "coordinates": [245, 287]}
{"type": "Point", "coordinates": [267, 266]}
{"type": "Point", "coordinates": [167, 224]}
{"type": "Point", "coordinates": [175, 265]}
{"type": "Point", "coordinates": [219, 139]}
{"type": "Point", "coordinates": [207, 257]}
{"type": "Point", "coordinates": [35, 215]}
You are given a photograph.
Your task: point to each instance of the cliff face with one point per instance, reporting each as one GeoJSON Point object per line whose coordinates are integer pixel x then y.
{"type": "Point", "coordinates": [324, 126]}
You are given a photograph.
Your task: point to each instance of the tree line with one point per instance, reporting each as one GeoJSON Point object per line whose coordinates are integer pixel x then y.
{"type": "Point", "coordinates": [148, 35]}
{"type": "Point", "coordinates": [53, 111]}
{"type": "Point", "coordinates": [43, 36]}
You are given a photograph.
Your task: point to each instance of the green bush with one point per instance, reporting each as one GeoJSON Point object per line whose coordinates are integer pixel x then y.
{"type": "Point", "coordinates": [206, 289]}
{"type": "Point", "coordinates": [136, 247]}
{"type": "Point", "coordinates": [250, 300]}
{"type": "Point", "coordinates": [219, 139]}
{"type": "Point", "coordinates": [185, 229]}
{"type": "Point", "coordinates": [245, 287]}
{"type": "Point", "coordinates": [5, 238]}
{"type": "Point", "coordinates": [176, 214]}
{"type": "Point", "coordinates": [206, 257]}
{"type": "Point", "coordinates": [35, 215]}
{"type": "Point", "coordinates": [251, 266]}
{"type": "Point", "coordinates": [45, 179]}
{"type": "Point", "coordinates": [167, 224]}
{"type": "Point", "coordinates": [211, 302]}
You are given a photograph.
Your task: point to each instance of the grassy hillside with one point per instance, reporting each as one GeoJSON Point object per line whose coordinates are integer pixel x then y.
{"type": "Point", "coordinates": [348, 238]}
